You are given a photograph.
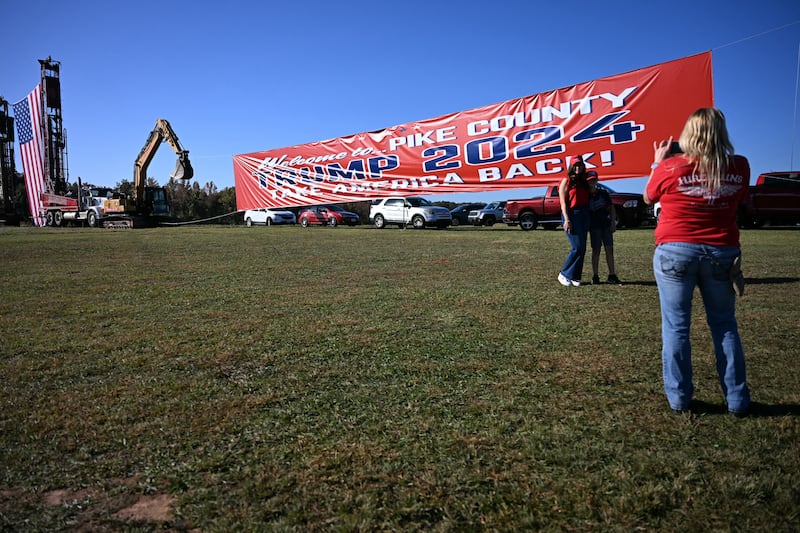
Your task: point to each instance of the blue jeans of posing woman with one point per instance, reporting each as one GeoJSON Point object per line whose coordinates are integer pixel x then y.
{"type": "Point", "coordinates": [679, 268]}
{"type": "Point", "coordinates": [573, 266]}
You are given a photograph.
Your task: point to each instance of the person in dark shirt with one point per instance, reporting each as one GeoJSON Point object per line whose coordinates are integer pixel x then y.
{"type": "Point", "coordinates": [602, 225]}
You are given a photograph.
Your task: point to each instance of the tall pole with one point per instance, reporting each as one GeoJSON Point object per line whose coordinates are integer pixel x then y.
{"type": "Point", "coordinates": [794, 129]}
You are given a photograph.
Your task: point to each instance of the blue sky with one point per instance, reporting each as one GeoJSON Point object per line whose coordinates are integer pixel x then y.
{"type": "Point", "coordinates": [238, 77]}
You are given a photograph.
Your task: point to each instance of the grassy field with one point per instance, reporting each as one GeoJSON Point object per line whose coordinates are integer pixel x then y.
{"type": "Point", "coordinates": [350, 379]}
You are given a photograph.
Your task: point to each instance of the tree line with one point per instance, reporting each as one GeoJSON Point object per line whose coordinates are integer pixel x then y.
{"type": "Point", "coordinates": [189, 200]}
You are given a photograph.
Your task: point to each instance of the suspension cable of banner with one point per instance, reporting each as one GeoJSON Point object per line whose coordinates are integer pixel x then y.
{"type": "Point", "coordinates": [794, 128]}
{"type": "Point", "coordinates": [797, 81]}
{"type": "Point", "coordinates": [201, 221]}
{"type": "Point", "coordinates": [757, 35]}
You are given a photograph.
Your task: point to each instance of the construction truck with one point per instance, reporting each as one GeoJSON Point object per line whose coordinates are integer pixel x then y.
{"type": "Point", "coordinates": [99, 206]}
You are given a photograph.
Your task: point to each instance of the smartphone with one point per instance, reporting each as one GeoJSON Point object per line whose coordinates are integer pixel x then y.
{"type": "Point", "coordinates": [675, 148]}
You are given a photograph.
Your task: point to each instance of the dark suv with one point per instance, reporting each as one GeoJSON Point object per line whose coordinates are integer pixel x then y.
{"type": "Point", "coordinates": [461, 213]}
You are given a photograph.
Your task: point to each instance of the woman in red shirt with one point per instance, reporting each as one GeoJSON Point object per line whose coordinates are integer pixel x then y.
{"type": "Point", "coordinates": [573, 191]}
{"type": "Point", "coordinates": [697, 240]}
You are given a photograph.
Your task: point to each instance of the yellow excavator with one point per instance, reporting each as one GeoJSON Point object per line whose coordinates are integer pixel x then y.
{"type": "Point", "coordinates": [149, 204]}
{"type": "Point", "coordinates": [163, 132]}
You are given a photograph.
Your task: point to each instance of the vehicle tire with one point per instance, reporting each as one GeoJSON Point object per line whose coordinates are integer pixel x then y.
{"type": "Point", "coordinates": [248, 222]}
{"type": "Point", "coordinates": [58, 218]}
{"type": "Point", "coordinates": [620, 218]}
{"type": "Point", "coordinates": [527, 221]}
{"type": "Point", "coordinates": [489, 221]}
{"type": "Point", "coordinates": [91, 219]}
{"type": "Point", "coordinates": [332, 222]}
{"type": "Point", "coordinates": [269, 221]}
{"type": "Point", "coordinates": [48, 218]}
{"type": "Point", "coordinates": [379, 221]}
{"type": "Point", "coordinates": [456, 222]}
{"type": "Point", "coordinates": [304, 222]}
{"type": "Point", "coordinates": [418, 222]}
{"type": "Point", "coordinates": [743, 220]}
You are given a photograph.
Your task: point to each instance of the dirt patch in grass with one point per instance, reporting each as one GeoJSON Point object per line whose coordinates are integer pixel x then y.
{"type": "Point", "coordinates": [156, 508]}
{"type": "Point", "coordinates": [107, 507]}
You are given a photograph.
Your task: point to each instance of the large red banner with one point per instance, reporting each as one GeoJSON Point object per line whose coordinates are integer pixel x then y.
{"type": "Point", "coordinates": [528, 142]}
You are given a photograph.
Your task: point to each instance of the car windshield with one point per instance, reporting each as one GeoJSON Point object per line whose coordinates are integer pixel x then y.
{"type": "Point", "coordinates": [101, 192]}
{"type": "Point", "coordinates": [493, 205]}
{"type": "Point", "coordinates": [606, 188]}
{"type": "Point", "coordinates": [787, 180]}
{"type": "Point", "coordinates": [418, 202]}
{"type": "Point", "coordinates": [333, 208]}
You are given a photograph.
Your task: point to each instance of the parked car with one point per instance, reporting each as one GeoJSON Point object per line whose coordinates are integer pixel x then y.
{"type": "Point", "coordinates": [630, 208]}
{"type": "Point", "coordinates": [327, 215]}
{"type": "Point", "coordinates": [487, 215]}
{"type": "Point", "coordinates": [267, 217]}
{"type": "Point", "coordinates": [460, 214]}
{"type": "Point", "coordinates": [413, 210]}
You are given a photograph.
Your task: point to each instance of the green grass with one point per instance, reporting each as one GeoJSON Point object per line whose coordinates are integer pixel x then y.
{"type": "Point", "coordinates": [291, 379]}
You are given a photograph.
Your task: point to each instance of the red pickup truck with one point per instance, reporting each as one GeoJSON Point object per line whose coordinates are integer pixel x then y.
{"type": "Point", "coordinates": [546, 210]}
{"type": "Point", "coordinates": [773, 200]}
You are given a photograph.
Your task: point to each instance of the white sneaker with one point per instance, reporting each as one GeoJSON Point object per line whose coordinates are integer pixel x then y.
{"type": "Point", "coordinates": [575, 283]}
{"type": "Point", "coordinates": [564, 281]}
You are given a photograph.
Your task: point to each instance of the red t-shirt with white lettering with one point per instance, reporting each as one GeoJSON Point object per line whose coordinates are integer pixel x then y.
{"type": "Point", "coordinates": [577, 195]}
{"type": "Point", "coordinates": [688, 213]}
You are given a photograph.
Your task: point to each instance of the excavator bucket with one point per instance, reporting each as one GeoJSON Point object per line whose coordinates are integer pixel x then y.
{"type": "Point", "coordinates": [183, 169]}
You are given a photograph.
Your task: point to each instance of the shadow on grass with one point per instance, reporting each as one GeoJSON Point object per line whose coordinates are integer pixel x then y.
{"type": "Point", "coordinates": [757, 409]}
{"type": "Point", "coordinates": [769, 281]}
{"type": "Point", "coordinates": [748, 281]}
{"type": "Point", "coordinates": [639, 283]}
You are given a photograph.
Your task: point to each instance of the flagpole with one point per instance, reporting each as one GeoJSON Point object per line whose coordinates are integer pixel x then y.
{"type": "Point", "coordinates": [794, 129]}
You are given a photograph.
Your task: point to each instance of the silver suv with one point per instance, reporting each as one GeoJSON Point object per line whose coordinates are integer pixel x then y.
{"type": "Point", "coordinates": [493, 212]}
{"type": "Point", "coordinates": [418, 212]}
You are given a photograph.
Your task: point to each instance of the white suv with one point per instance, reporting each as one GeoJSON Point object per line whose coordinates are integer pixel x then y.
{"type": "Point", "coordinates": [268, 217]}
{"type": "Point", "coordinates": [413, 210]}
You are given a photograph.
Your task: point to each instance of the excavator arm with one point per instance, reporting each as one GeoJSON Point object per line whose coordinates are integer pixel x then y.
{"type": "Point", "coordinates": [162, 132]}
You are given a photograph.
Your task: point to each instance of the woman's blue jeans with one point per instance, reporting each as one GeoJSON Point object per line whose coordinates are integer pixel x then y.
{"type": "Point", "coordinates": [573, 265]}
{"type": "Point", "coordinates": [678, 268]}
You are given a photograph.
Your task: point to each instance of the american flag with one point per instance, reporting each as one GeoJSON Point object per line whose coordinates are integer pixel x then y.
{"type": "Point", "coordinates": [28, 117]}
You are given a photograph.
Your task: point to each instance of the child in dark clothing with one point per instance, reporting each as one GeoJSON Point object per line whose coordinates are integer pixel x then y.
{"type": "Point", "coordinates": [602, 225]}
